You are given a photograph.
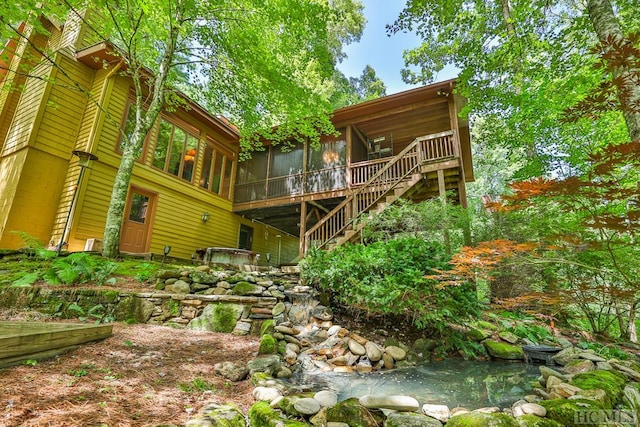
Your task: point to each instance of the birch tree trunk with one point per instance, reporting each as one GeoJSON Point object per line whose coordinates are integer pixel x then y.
{"type": "Point", "coordinates": [608, 28]}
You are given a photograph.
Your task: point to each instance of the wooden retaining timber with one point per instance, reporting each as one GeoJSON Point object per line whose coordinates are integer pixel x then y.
{"type": "Point", "coordinates": [20, 341]}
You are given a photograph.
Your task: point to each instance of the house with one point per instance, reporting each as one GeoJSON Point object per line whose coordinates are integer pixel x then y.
{"type": "Point", "coordinates": [188, 189]}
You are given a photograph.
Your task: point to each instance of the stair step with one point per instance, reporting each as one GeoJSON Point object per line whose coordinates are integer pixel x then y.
{"type": "Point", "coordinates": [390, 199]}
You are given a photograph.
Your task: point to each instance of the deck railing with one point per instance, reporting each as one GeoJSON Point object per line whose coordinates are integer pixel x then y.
{"type": "Point", "coordinates": [380, 177]}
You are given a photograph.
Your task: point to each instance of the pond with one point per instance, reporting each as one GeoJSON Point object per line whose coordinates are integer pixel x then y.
{"type": "Point", "coordinates": [453, 383]}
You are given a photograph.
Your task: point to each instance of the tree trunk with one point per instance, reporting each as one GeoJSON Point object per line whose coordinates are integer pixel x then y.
{"type": "Point", "coordinates": [608, 28]}
{"type": "Point", "coordinates": [631, 329]}
{"type": "Point", "coordinates": [111, 242]}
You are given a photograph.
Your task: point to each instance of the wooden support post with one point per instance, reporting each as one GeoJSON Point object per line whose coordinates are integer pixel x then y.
{"type": "Point", "coordinates": [442, 188]}
{"type": "Point", "coordinates": [303, 229]}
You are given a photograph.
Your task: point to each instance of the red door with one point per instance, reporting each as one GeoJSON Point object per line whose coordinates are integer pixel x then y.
{"type": "Point", "coordinates": [136, 228]}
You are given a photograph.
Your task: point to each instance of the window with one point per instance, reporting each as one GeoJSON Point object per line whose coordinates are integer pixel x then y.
{"type": "Point", "coordinates": [217, 170]}
{"type": "Point", "coordinates": [127, 126]}
{"type": "Point", "coordinates": [176, 151]}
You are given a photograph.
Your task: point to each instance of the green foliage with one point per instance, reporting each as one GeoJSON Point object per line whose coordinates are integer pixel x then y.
{"type": "Point", "coordinates": [532, 332]}
{"type": "Point", "coordinates": [96, 312]}
{"type": "Point", "coordinates": [27, 280]}
{"type": "Point", "coordinates": [198, 384]}
{"type": "Point", "coordinates": [141, 271]}
{"type": "Point", "coordinates": [608, 351]}
{"type": "Point", "coordinates": [388, 278]}
{"type": "Point", "coordinates": [78, 268]}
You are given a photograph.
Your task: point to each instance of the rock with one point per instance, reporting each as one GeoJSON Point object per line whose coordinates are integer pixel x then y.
{"type": "Point", "coordinates": [217, 318]}
{"type": "Point", "coordinates": [579, 366]}
{"type": "Point", "coordinates": [307, 406]}
{"type": "Point", "coordinates": [591, 356]}
{"type": "Point", "coordinates": [356, 348]}
{"type": "Point", "coordinates": [244, 288]}
{"type": "Point", "coordinates": [321, 312]}
{"type": "Point", "coordinates": [326, 398]}
{"type": "Point", "coordinates": [213, 414]}
{"type": "Point", "coordinates": [509, 337]}
{"type": "Point", "coordinates": [231, 371]}
{"type": "Point", "coordinates": [488, 410]}
{"type": "Point", "coordinates": [553, 381]}
{"type": "Point", "coordinates": [547, 372]}
{"type": "Point", "coordinates": [396, 352]}
{"type": "Point", "coordinates": [132, 307]}
{"type": "Point", "coordinates": [336, 424]}
{"type": "Point", "coordinates": [502, 350]}
{"type": "Point", "coordinates": [373, 351]}
{"type": "Point", "coordinates": [287, 330]}
{"type": "Point", "coordinates": [359, 339]}
{"type": "Point", "coordinates": [631, 373]}
{"type": "Point", "coordinates": [566, 390]}
{"type": "Point", "coordinates": [596, 394]}
{"type": "Point", "coordinates": [565, 356]}
{"type": "Point", "coordinates": [334, 330]}
{"type": "Point", "coordinates": [389, 363]}
{"type": "Point", "coordinates": [439, 412]}
{"type": "Point", "coordinates": [356, 414]}
{"type": "Point", "coordinates": [478, 334]}
{"type": "Point", "coordinates": [611, 382]}
{"type": "Point", "coordinates": [267, 345]}
{"type": "Point", "coordinates": [534, 409]}
{"type": "Point", "coordinates": [604, 366]}
{"type": "Point", "coordinates": [632, 397]}
{"type": "Point", "coordinates": [179, 287]}
{"type": "Point", "coordinates": [397, 403]}
{"type": "Point", "coordinates": [266, 393]}
{"type": "Point", "coordinates": [268, 364]}
{"type": "Point", "coordinates": [410, 419]}
{"type": "Point", "coordinates": [480, 419]}
{"type": "Point", "coordinates": [535, 421]}
{"type": "Point", "coordinates": [277, 309]}
{"type": "Point", "coordinates": [564, 410]}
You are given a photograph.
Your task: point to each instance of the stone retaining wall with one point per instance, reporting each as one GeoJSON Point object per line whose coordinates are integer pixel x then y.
{"type": "Point", "coordinates": [219, 301]}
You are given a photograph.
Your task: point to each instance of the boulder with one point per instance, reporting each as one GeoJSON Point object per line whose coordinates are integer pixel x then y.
{"type": "Point", "coordinates": [579, 366]}
{"type": "Point", "coordinates": [268, 345]}
{"type": "Point", "coordinates": [261, 414]}
{"type": "Point", "coordinates": [307, 406]}
{"type": "Point", "coordinates": [564, 410]}
{"type": "Point", "coordinates": [373, 350]}
{"type": "Point", "coordinates": [611, 382]}
{"type": "Point", "coordinates": [566, 355]}
{"type": "Point", "coordinates": [213, 414]}
{"type": "Point", "coordinates": [217, 317]}
{"type": "Point", "coordinates": [396, 352]}
{"type": "Point", "coordinates": [266, 393]}
{"type": "Point", "coordinates": [178, 287]}
{"type": "Point", "coordinates": [535, 421]}
{"type": "Point", "coordinates": [547, 372]}
{"type": "Point", "coordinates": [268, 364]}
{"type": "Point", "coordinates": [326, 398]}
{"type": "Point", "coordinates": [323, 313]}
{"type": "Point", "coordinates": [244, 288]}
{"type": "Point", "coordinates": [277, 309]}
{"type": "Point", "coordinates": [396, 403]}
{"type": "Point", "coordinates": [502, 350]}
{"type": "Point", "coordinates": [509, 337]}
{"type": "Point", "coordinates": [356, 348]}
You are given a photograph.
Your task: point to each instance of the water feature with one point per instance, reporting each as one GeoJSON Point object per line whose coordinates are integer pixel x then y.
{"type": "Point", "coordinates": [452, 383]}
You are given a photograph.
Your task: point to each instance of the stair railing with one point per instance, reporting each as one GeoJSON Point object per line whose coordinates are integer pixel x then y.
{"type": "Point", "coordinates": [336, 222]}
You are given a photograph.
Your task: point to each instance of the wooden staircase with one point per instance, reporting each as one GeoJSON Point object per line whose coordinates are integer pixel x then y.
{"type": "Point", "coordinates": [402, 176]}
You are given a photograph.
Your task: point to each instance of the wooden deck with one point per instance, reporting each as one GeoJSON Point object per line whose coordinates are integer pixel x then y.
{"type": "Point", "coordinates": [21, 341]}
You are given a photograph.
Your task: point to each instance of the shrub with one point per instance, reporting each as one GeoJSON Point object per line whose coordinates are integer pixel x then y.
{"type": "Point", "coordinates": [389, 278]}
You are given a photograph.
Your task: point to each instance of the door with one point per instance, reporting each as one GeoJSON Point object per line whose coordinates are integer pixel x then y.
{"type": "Point", "coordinates": [136, 228]}
{"type": "Point", "coordinates": [246, 237]}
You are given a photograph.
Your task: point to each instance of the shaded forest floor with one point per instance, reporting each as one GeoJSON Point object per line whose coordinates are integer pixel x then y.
{"type": "Point", "coordinates": [142, 375]}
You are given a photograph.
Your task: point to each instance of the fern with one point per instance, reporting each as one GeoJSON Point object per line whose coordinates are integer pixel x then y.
{"type": "Point", "coordinates": [27, 280]}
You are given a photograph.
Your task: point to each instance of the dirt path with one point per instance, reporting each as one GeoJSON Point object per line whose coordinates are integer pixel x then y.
{"type": "Point", "coordinates": [141, 376]}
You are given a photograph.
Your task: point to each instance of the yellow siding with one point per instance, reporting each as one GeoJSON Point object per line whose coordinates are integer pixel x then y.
{"type": "Point", "coordinates": [36, 193]}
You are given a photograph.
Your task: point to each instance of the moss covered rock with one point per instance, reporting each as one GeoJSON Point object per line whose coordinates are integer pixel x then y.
{"type": "Point", "coordinates": [132, 307]}
{"type": "Point", "coordinates": [611, 382]}
{"type": "Point", "coordinates": [263, 415]}
{"type": "Point", "coordinates": [478, 334]}
{"type": "Point", "coordinates": [351, 412]}
{"type": "Point", "coordinates": [410, 419]}
{"type": "Point", "coordinates": [531, 420]}
{"type": "Point", "coordinates": [503, 350]}
{"type": "Point", "coordinates": [480, 419]}
{"type": "Point", "coordinates": [564, 410]}
{"type": "Point", "coordinates": [218, 415]}
{"type": "Point", "coordinates": [246, 288]}
{"type": "Point", "coordinates": [267, 327]}
{"type": "Point", "coordinates": [268, 345]}
{"type": "Point", "coordinates": [217, 318]}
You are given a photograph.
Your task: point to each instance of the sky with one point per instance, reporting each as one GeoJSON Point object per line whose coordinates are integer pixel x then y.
{"type": "Point", "coordinates": [382, 52]}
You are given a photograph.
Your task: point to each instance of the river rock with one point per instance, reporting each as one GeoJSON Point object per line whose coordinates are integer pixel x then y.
{"type": "Point", "coordinates": [481, 419]}
{"type": "Point", "coordinates": [631, 373]}
{"type": "Point", "coordinates": [396, 352]}
{"type": "Point", "coordinates": [565, 390]}
{"type": "Point", "coordinates": [389, 363]}
{"type": "Point", "coordinates": [552, 380]}
{"type": "Point", "coordinates": [596, 394]}
{"type": "Point", "coordinates": [277, 309]}
{"type": "Point", "coordinates": [373, 350]}
{"type": "Point", "coordinates": [397, 403]}
{"type": "Point", "coordinates": [231, 371]}
{"type": "Point", "coordinates": [591, 356]}
{"type": "Point", "coordinates": [359, 339]}
{"type": "Point", "coordinates": [533, 408]}
{"type": "Point", "coordinates": [509, 337]}
{"type": "Point", "coordinates": [266, 393]}
{"type": "Point", "coordinates": [356, 414]}
{"type": "Point", "coordinates": [326, 398]}
{"type": "Point", "coordinates": [439, 412]}
{"type": "Point", "coordinates": [287, 330]}
{"type": "Point", "coordinates": [547, 372]}
{"type": "Point", "coordinates": [356, 348]}
{"type": "Point", "coordinates": [269, 364]}
{"type": "Point", "coordinates": [410, 419]}
{"type": "Point", "coordinates": [307, 406]}
{"type": "Point", "coordinates": [334, 330]}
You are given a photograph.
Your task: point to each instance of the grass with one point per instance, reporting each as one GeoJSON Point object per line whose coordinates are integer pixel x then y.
{"type": "Point", "coordinates": [198, 384]}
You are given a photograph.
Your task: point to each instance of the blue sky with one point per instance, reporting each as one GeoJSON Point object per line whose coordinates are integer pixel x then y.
{"type": "Point", "coordinates": [383, 53]}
